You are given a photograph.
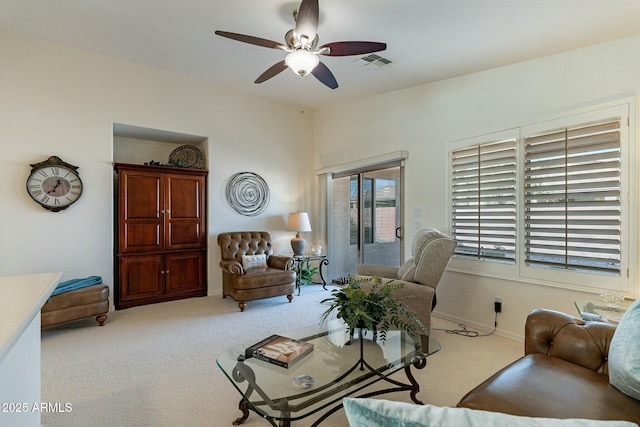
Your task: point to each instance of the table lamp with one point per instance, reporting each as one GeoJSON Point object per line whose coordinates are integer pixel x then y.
{"type": "Point", "coordinates": [298, 222]}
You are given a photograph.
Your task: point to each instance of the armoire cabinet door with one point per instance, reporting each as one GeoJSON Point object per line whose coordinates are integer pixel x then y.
{"type": "Point", "coordinates": [184, 213]}
{"type": "Point", "coordinates": [141, 277]}
{"type": "Point", "coordinates": [141, 212]}
{"type": "Point", "coordinates": [185, 273]}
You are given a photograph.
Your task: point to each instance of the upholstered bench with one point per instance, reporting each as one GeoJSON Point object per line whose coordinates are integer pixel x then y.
{"type": "Point", "coordinates": [75, 305]}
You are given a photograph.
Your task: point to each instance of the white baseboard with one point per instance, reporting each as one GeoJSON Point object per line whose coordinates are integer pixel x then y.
{"type": "Point", "coordinates": [478, 326]}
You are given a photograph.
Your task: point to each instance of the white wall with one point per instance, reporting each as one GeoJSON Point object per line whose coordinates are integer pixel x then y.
{"type": "Point", "coordinates": [55, 100]}
{"type": "Point", "coordinates": [60, 101]}
{"type": "Point", "coordinates": [424, 119]}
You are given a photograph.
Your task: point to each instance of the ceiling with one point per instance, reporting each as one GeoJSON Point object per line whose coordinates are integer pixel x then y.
{"type": "Point", "coordinates": [427, 40]}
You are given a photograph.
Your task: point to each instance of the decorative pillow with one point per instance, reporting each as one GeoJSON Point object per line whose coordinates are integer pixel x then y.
{"type": "Point", "coordinates": [624, 353]}
{"type": "Point", "coordinates": [386, 413]}
{"type": "Point", "coordinates": [254, 261]}
{"type": "Point", "coordinates": [407, 270]}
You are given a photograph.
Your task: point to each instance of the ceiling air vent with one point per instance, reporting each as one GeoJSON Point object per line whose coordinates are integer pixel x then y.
{"type": "Point", "coordinates": [373, 59]}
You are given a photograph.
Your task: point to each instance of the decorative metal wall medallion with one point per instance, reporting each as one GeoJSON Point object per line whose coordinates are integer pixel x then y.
{"type": "Point", "coordinates": [248, 193]}
{"type": "Point", "coordinates": [187, 156]}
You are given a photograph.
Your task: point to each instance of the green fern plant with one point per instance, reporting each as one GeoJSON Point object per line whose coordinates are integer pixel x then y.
{"type": "Point", "coordinates": [377, 310]}
{"type": "Point", "coordinates": [307, 274]}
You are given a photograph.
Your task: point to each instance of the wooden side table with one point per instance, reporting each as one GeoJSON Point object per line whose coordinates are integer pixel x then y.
{"type": "Point", "coordinates": [303, 262]}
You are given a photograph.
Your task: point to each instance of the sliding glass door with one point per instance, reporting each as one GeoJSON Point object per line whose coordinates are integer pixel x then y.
{"type": "Point", "coordinates": [365, 219]}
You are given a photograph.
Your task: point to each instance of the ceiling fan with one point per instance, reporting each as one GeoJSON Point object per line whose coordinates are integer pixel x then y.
{"type": "Point", "coordinates": [302, 42]}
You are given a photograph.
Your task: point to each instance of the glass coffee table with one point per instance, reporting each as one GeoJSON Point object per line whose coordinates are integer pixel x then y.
{"type": "Point", "coordinates": [337, 367]}
{"type": "Point", "coordinates": [594, 310]}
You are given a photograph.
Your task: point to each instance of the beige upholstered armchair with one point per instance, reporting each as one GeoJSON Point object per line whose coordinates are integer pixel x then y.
{"type": "Point", "coordinates": [431, 252]}
{"type": "Point", "coordinates": [250, 271]}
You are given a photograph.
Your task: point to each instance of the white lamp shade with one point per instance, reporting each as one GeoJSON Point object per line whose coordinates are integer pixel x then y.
{"type": "Point", "coordinates": [298, 221]}
{"type": "Point", "coordinates": [301, 61]}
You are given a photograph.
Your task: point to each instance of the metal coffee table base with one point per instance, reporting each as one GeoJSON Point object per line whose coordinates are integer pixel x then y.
{"type": "Point", "coordinates": [413, 387]}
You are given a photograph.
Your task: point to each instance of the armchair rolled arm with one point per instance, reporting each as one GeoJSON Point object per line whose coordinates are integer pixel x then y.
{"type": "Point", "coordinates": [566, 337]}
{"type": "Point", "coordinates": [232, 267]}
{"type": "Point", "coordinates": [378, 270]}
{"type": "Point", "coordinates": [280, 262]}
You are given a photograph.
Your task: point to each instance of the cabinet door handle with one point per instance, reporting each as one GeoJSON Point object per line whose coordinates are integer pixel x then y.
{"type": "Point", "coordinates": [167, 272]}
{"type": "Point", "coordinates": [162, 271]}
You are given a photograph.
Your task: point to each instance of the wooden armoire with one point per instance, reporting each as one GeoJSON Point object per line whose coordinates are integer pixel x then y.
{"type": "Point", "coordinates": [161, 234]}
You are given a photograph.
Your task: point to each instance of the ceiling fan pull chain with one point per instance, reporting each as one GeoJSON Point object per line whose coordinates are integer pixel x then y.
{"type": "Point", "coordinates": [301, 94]}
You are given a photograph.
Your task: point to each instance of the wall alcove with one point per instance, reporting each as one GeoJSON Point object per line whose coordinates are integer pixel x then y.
{"type": "Point", "coordinates": [160, 218]}
{"type": "Point", "coordinates": [137, 145]}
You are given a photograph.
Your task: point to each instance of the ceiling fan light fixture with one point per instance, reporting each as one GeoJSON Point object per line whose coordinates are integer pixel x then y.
{"type": "Point", "coordinates": [301, 61]}
{"type": "Point", "coordinates": [301, 43]}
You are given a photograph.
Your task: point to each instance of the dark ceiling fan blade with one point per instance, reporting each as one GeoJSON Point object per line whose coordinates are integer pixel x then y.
{"type": "Point", "coordinates": [273, 71]}
{"type": "Point", "coordinates": [252, 40]}
{"type": "Point", "coordinates": [307, 20]}
{"type": "Point", "coordinates": [322, 73]}
{"type": "Point", "coordinates": [352, 48]}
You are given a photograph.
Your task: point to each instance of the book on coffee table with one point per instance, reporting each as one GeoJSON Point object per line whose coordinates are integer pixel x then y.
{"type": "Point", "coordinates": [279, 350]}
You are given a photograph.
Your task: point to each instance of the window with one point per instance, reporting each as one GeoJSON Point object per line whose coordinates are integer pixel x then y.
{"type": "Point", "coordinates": [379, 223]}
{"type": "Point", "coordinates": [572, 198]}
{"type": "Point", "coordinates": [484, 200]}
{"type": "Point", "coordinates": [547, 202]}
{"type": "Point", "coordinates": [385, 211]}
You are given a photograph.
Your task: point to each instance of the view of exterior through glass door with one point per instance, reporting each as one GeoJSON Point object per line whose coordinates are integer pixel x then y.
{"type": "Point", "coordinates": [365, 218]}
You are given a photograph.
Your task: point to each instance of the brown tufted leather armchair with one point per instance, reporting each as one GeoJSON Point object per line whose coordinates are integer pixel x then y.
{"type": "Point", "coordinates": [277, 278]}
{"type": "Point", "coordinates": [564, 374]}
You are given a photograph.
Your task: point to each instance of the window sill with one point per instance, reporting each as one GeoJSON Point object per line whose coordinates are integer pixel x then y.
{"type": "Point", "coordinates": [510, 273]}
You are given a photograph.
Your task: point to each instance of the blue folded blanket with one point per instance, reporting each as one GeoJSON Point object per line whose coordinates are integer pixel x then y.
{"type": "Point", "coordinates": [73, 284]}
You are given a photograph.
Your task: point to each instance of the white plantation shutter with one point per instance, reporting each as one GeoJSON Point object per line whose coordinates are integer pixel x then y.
{"type": "Point", "coordinates": [572, 198]}
{"type": "Point", "coordinates": [484, 200]}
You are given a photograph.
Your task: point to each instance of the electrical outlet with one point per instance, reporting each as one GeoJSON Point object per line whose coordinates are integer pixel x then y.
{"type": "Point", "coordinates": [497, 305]}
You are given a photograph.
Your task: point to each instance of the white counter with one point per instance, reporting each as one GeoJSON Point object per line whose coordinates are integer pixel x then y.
{"type": "Point", "coordinates": [21, 298]}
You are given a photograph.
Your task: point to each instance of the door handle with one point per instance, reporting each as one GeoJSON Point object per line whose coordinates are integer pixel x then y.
{"type": "Point", "coordinates": [399, 232]}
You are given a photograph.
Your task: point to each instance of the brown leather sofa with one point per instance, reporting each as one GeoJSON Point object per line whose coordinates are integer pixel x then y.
{"type": "Point", "coordinates": [277, 278]}
{"type": "Point", "coordinates": [564, 374]}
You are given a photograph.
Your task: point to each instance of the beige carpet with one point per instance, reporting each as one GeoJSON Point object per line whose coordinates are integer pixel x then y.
{"type": "Point", "coordinates": [155, 365]}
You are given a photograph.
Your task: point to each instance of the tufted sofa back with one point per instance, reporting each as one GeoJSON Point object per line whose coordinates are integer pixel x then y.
{"type": "Point", "coordinates": [555, 334]}
{"type": "Point", "coordinates": [237, 243]}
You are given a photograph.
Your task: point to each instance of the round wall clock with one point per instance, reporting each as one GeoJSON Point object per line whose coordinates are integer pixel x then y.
{"type": "Point", "coordinates": [54, 184]}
